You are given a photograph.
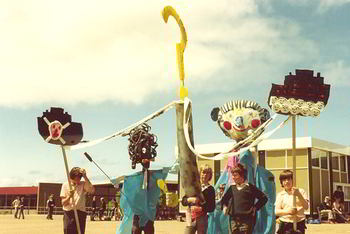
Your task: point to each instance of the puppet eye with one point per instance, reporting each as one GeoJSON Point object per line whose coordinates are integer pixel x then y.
{"type": "Point", "coordinates": [227, 125]}
{"type": "Point", "coordinates": [255, 123]}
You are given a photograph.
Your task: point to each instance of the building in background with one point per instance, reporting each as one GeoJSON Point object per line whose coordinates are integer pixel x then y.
{"type": "Point", "coordinates": [321, 165]}
{"type": "Point", "coordinates": [8, 194]}
{"type": "Point", "coordinates": [35, 197]}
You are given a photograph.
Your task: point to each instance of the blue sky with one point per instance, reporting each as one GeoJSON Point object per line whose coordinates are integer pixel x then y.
{"type": "Point", "coordinates": [110, 64]}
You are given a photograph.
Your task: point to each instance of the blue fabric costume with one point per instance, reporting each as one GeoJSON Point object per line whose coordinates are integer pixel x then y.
{"type": "Point", "coordinates": [137, 201]}
{"type": "Point", "coordinates": [218, 223]}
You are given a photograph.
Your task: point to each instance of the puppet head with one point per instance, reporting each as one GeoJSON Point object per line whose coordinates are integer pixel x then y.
{"type": "Point", "coordinates": [239, 119]}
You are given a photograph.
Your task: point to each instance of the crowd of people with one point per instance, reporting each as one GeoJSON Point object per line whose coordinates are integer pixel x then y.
{"type": "Point", "coordinates": [240, 202]}
{"type": "Point", "coordinates": [334, 211]}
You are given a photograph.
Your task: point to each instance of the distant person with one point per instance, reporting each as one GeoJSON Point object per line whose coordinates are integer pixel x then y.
{"type": "Point", "coordinates": [113, 205]}
{"type": "Point", "coordinates": [284, 205]}
{"type": "Point", "coordinates": [102, 210]}
{"type": "Point", "coordinates": [50, 205]}
{"type": "Point", "coordinates": [21, 208]}
{"type": "Point", "coordinates": [15, 204]}
{"type": "Point", "coordinates": [326, 208]}
{"type": "Point", "coordinates": [339, 194]}
{"type": "Point", "coordinates": [199, 211]}
{"type": "Point", "coordinates": [243, 199]}
{"type": "Point", "coordinates": [80, 189]}
{"type": "Point", "coordinates": [338, 208]}
{"type": "Point", "coordinates": [93, 206]}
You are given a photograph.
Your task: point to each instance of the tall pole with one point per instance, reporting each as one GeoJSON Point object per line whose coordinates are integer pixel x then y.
{"type": "Point", "coordinates": [294, 167]}
{"type": "Point", "coordinates": [70, 189]}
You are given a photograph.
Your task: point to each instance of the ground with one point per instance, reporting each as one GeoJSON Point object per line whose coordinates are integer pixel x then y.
{"type": "Point", "coordinates": [38, 224]}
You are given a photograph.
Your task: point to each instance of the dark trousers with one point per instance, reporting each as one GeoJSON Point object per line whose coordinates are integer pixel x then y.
{"type": "Point", "coordinates": [49, 215]}
{"type": "Point", "coordinates": [147, 229]}
{"type": "Point", "coordinates": [21, 213]}
{"type": "Point", "coordinates": [16, 211]}
{"type": "Point", "coordinates": [69, 225]}
{"type": "Point", "coordinates": [285, 228]}
{"type": "Point", "coordinates": [242, 224]}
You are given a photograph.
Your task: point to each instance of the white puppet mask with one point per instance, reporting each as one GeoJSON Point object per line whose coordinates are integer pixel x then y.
{"type": "Point", "coordinates": [238, 119]}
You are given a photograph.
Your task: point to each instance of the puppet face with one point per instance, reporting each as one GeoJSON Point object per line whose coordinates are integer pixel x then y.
{"type": "Point", "coordinates": [55, 129]}
{"type": "Point", "coordinates": [238, 122]}
{"type": "Point", "coordinates": [238, 119]}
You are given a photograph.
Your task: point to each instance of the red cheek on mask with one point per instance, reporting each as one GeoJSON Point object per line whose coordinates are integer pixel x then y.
{"type": "Point", "coordinates": [227, 125]}
{"type": "Point", "coordinates": [255, 123]}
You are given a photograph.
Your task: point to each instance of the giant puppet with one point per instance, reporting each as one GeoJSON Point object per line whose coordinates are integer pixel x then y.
{"type": "Point", "coordinates": [56, 127]}
{"type": "Point", "coordinates": [301, 94]}
{"type": "Point", "coordinates": [244, 121]}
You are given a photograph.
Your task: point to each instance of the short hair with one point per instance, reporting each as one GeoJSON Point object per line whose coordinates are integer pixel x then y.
{"type": "Point", "coordinates": [206, 169]}
{"type": "Point", "coordinates": [239, 168]}
{"type": "Point", "coordinates": [75, 172]}
{"type": "Point", "coordinates": [286, 174]}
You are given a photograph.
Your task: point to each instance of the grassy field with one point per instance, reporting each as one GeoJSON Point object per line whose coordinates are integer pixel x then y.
{"type": "Point", "coordinates": [38, 224]}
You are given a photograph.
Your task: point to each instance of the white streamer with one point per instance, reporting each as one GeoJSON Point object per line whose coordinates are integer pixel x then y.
{"type": "Point", "coordinates": [230, 154]}
{"type": "Point", "coordinates": [126, 130]}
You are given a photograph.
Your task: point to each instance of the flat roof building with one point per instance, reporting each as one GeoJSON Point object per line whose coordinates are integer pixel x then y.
{"type": "Point", "coordinates": [321, 166]}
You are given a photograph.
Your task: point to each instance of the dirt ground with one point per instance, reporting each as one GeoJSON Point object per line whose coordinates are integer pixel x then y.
{"type": "Point", "coordinates": [38, 224]}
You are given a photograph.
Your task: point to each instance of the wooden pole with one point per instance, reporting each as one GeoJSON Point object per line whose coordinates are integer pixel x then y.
{"type": "Point", "coordinates": [294, 167]}
{"type": "Point", "coordinates": [189, 174]}
{"type": "Point", "coordinates": [70, 189]}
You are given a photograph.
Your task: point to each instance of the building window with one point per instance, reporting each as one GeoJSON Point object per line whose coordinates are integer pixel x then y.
{"type": "Point", "coordinates": [335, 161]}
{"type": "Point", "coordinates": [324, 159]}
{"type": "Point", "coordinates": [342, 163]}
{"type": "Point", "coordinates": [315, 158]}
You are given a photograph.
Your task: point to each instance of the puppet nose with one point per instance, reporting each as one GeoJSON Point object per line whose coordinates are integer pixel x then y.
{"type": "Point", "coordinates": [239, 122]}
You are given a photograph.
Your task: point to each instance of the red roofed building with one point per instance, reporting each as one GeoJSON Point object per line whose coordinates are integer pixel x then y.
{"type": "Point", "coordinates": [8, 194]}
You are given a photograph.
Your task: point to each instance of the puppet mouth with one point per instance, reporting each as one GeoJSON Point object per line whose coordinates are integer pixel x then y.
{"type": "Point", "coordinates": [239, 129]}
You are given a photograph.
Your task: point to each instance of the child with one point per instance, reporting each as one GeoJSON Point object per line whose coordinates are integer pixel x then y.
{"type": "Point", "coordinates": [284, 205]}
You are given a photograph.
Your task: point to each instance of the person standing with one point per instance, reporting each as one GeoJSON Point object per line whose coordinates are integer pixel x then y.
{"type": "Point", "coordinates": [284, 204]}
{"type": "Point", "coordinates": [93, 206]}
{"type": "Point", "coordinates": [21, 208]}
{"type": "Point", "coordinates": [199, 211]}
{"type": "Point", "coordinates": [102, 210]}
{"type": "Point", "coordinates": [240, 199]}
{"type": "Point", "coordinates": [50, 204]}
{"type": "Point", "coordinates": [78, 192]}
{"type": "Point", "coordinates": [15, 204]}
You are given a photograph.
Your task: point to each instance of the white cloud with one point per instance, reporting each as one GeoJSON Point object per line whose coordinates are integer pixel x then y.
{"type": "Point", "coordinates": [71, 52]}
{"type": "Point", "coordinates": [321, 5]}
{"type": "Point", "coordinates": [337, 73]}
{"type": "Point", "coordinates": [328, 4]}
{"type": "Point", "coordinates": [16, 181]}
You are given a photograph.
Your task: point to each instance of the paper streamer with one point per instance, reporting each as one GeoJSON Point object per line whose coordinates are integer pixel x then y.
{"type": "Point", "coordinates": [230, 154]}
{"type": "Point", "coordinates": [126, 130]}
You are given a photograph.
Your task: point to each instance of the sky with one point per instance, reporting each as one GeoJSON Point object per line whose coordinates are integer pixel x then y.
{"type": "Point", "coordinates": [109, 64]}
